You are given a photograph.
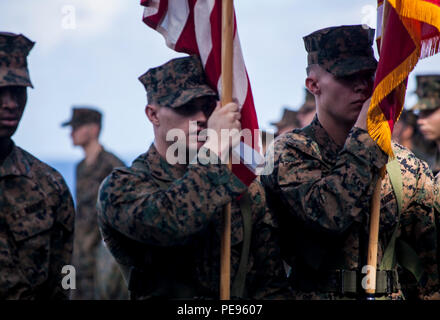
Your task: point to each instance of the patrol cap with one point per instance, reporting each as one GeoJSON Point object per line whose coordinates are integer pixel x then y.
{"type": "Point", "coordinates": [428, 91]}
{"type": "Point", "coordinates": [83, 115]}
{"type": "Point", "coordinates": [343, 50]}
{"type": "Point", "coordinates": [288, 119]}
{"type": "Point", "coordinates": [176, 82]}
{"type": "Point", "coordinates": [14, 49]}
{"type": "Point", "coordinates": [309, 104]}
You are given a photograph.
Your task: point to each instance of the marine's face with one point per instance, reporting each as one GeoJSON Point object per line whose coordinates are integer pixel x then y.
{"type": "Point", "coordinates": [179, 119]}
{"type": "Point", "coordinates": [12, 102]}
{"type": "Point", "coordinates": [429, 124]}
{"type": "Point", "coordinates": [343, 97]}
{"type": "Point", "coordinates": [83, 134]}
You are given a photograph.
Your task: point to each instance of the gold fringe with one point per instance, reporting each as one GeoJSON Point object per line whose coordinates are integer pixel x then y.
{"type": "Point", "coordinates": [418, 10]}
{"type": "Point", "coordinates": [379, 130]}
{"type": "Point", "coordinates": [377, 124]}
{"type": "Point", "coordinates": [430, 47]}
{"type": "Point", "coordinates": [409, 11]}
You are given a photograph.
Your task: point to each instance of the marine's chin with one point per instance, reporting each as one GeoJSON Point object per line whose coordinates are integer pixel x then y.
{"type": "Point", "coordinates": [7, 132]}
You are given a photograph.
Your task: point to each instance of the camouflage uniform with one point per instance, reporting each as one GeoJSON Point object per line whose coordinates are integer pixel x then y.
{"type": "Point", "coordinates": [163, 223]}
{"type": "Point", "coordinates": [87, 238]}
{"type": "Point", "coordinates": [321, 191]}
{"type": "Point", "coordinates": [428, 91]}
{"type": "Point", "coordinates": [36, 208]}
{"type": "Point", "coordinates": [109, 282]}
{"type": "Point", "coordinates": [88, 246]}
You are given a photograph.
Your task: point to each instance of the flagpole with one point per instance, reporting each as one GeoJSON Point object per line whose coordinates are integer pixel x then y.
{"type": "Point", "coordinates": [373, 241]}
{"type": "Point", "coordinates": [227, 67]}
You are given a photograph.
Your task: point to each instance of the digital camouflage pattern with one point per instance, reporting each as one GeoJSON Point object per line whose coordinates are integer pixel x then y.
{"type": "Point", "coordinates": [14, 49]}
{"type": "Point", "coordinates": [176, 82]}
{"type": "Point", "coordinates": [83, 115]}
{"type": "Point", "coordinates": [36, 228]}
{"type": "Point", "coordinates": [342, 50]}
{"type": "Point", "coordinates": [432, 158]}
{"type": "Point", "coordinates": [428, 92]}
{"type": "Point", "coordinates": [109, 283]}
{"type": "Point", "coordinates": [173, 234]}
{"type": "Point", "coordinates": [87, 237]}
{"type": "Point", "coordinates": [321, 195]}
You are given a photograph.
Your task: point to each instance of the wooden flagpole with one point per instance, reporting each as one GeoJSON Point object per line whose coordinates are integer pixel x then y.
{"type": "Point", "coordinates": [227, 67]}
{"type": "Point", "coordinates": [375, 201]}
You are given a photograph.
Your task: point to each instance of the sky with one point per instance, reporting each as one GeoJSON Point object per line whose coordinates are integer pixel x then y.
{"type": "Point", "coordinates": [92, 53]}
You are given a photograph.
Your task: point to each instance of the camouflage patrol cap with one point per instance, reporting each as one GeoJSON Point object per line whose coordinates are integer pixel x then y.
{"type": "Point", "coordinates": [343, 50]}
{"type": "Point", "coordinates": [176, 82]}
{"type": "Point", "coordinates": [83, 115]}
{"type": "Point", "coordinates": [14, 49]}
{"type": "Point", "coordinates": [309, 104]}
{"type": "Point", "coordinates": [428, 91]}
{"type": "Point", "coordinates": [288, 119]}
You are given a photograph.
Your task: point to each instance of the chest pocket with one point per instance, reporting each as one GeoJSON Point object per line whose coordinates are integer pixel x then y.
{"type": "Point", "coordinates": [31, 226]}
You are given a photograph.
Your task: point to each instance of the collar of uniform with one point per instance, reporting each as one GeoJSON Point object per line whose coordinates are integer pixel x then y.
{"type": "Point", "coordinates": [159, 167]}
{"type": "Point", "coordinates": [98, 161]}
{"type": "Point", "coordinates": [328, 147]}
{"type": "Point", "coordinates": [15, 164]}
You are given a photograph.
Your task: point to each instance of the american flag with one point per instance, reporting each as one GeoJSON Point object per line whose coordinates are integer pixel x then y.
{"type": "Point", "coordinates": [194, 27]}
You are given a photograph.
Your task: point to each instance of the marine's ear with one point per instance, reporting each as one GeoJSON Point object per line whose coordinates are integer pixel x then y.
{"type": "Point", "coordinates": [312, 80]}
{"type": "Point", "coordinates": [151, 110]}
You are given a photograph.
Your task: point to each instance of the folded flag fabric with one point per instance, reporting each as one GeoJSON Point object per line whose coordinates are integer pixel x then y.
{"type": "Point", "coordinates": [407, 30]}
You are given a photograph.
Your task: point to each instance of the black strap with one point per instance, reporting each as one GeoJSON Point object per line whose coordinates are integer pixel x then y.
{"type": "Point", "coordinates": [239, 283]}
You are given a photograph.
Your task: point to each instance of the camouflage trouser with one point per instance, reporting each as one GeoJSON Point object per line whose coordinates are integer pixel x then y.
{"type": "Point", "coordinates": [109, 283]}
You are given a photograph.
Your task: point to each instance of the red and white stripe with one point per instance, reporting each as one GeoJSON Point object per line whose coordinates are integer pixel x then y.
{"type": "Point", "coordinates": [194, 27]}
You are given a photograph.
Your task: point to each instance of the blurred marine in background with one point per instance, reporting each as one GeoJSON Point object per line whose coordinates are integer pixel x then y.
{"type": "Point", "coordinates": [307, 111]}
{"type": "Point", "coordinates": [288, 122]}
{"type": "Point", "coordinates": [428, 108]}
{"type": "Point", "coordinates": [98, 276]}
{"type": "Point", "coordinates": [36, 207]}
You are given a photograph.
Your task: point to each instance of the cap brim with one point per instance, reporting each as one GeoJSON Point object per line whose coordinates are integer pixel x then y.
{"type": "Point", "coordinates": [67, 123]}
{"type": "Point", "coordinates": [422, 104]}
{"type": "Point", "coordinates": [352, 65]}
{"type": "Point", "coordinates": [189, 94]}
{"type": "Point", "coordinates": [278, 124]}
{"type": "Point", "coordinates": [17, 83]}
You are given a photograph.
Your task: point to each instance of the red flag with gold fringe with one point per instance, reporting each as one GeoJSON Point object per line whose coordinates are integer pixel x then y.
{"type": "Point", "coordinates": [407, 30]}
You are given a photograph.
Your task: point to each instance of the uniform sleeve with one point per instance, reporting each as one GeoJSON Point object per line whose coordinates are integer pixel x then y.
{"type": "Point", "coordinates": [136, 207]}
{"type": "Point", "coordinates": [61, 242]}
{"type": "Point", "coordinates": [333, 199]}
{"type": "Point", "coordinates": [418, 223]}
{"type": "Point", "coordinates": [269, 280]}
